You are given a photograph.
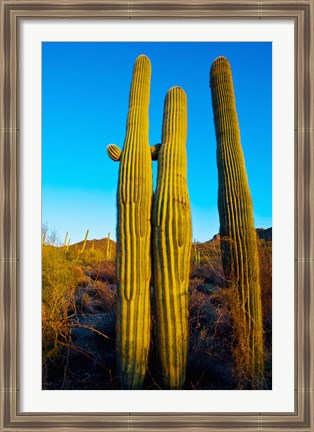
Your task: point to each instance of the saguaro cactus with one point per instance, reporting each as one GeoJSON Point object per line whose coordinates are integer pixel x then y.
{"type": "Point", "coordinates": [84, 244]}
{"type": "Point", "coordinates": [108, 250]}
{"type": "Point", "coordinates": [172, 241]}
{"type": "Point", "coordinates": [134, 201]}
{"type": "Point", "coordinates": [65, 240]}
{"type": "Point", "coordinates": [238, 236]}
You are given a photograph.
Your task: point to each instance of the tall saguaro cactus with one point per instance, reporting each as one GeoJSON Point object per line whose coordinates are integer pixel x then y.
{"type": "Point", "coordinates": [238, 236]}
{"type": "Point", "coordinates": [172, 241]}
{"type": "Point", "coordinates": [134, 201]}
{"type": "Point", "coordinates": [84, 244]}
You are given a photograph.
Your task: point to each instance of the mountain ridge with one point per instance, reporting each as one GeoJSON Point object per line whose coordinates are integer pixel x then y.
{"type": "Point", "coordinates": [101, 244]}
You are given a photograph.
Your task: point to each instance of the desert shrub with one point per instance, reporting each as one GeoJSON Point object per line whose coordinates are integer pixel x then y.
{"type": "Point", "coordinates": [106, 295]}
{"type": "Point", "coordinates": [210, 268]}
{"type": "Point", "coordinates": [196, 283]}
{"type": "Point", "coordinates": [59, 280]}
{"type": "Point", "coordinates": [265, 262]}
{"type": "Point", "coordinates": [104, 271]}
{"type": "Point", "coordinates": [209, 275]}
{"type": "Point", "coordinates": [240, 348]}
{"type": "Point", "coordinates": [72, 254]}
{"type": "Point", "coordinates": [97, 296]}
{"type": "Point", "coordinates": [92, 257]}
{"type": "Point", "coordinates": [210, 360]}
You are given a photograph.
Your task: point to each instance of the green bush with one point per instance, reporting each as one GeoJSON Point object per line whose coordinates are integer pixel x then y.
{"type": "Point", "coordinates": [91, 257]}
{"type": "Point", "coordinates": [60, 277]}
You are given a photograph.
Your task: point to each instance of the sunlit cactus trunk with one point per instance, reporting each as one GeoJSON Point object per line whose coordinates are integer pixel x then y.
{"type": "Point", "coordinates": [172, 241]}
{"type": "Point", "coordinates": [134, 201]}
{"type": "Point", "coordinates": [238, 236]}
{"type": "Point", "coordinates": [108, 250]}
{"type": "Point", "coordinates": [65, 240]}
{"type": "Point", "coordinates": [84, 244]}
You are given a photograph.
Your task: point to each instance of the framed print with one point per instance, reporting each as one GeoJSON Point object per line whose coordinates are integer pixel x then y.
{"type": "Point", "coordinates": [127, 310]}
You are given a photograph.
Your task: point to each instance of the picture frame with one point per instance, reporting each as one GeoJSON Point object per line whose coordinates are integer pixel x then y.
{"type": "Point", "coordinates": [12, 14]}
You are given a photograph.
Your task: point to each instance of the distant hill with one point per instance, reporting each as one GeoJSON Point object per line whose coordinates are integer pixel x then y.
{"type": "Point", "coordinates": [100, 244]}
{"type": "Point", "coordinates": [263, 234]}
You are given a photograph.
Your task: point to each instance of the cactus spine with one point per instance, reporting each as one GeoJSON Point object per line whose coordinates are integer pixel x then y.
{"type": "Point", "coordinates": [172, 241]}
{"type": "Point", "coordinates": [238, 236]}
{"type": "Point", "coordinates": [134, 201]}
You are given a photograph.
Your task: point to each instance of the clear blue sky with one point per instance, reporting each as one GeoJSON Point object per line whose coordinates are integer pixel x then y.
{"type": "Point", "coordinates": [85, 92]}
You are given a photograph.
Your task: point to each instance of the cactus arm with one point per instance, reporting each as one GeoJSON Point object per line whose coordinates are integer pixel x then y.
{"type": "Point", "coordinates": [134, 201]}
{"type": "Point", "coordinates": [238, 236]}
{"type": "Point", "coordinates": [155, 151]}
{"type": "Point", "coordinates": [114, 152]}
{"type": "Point", "coordinates": [172, 241]}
